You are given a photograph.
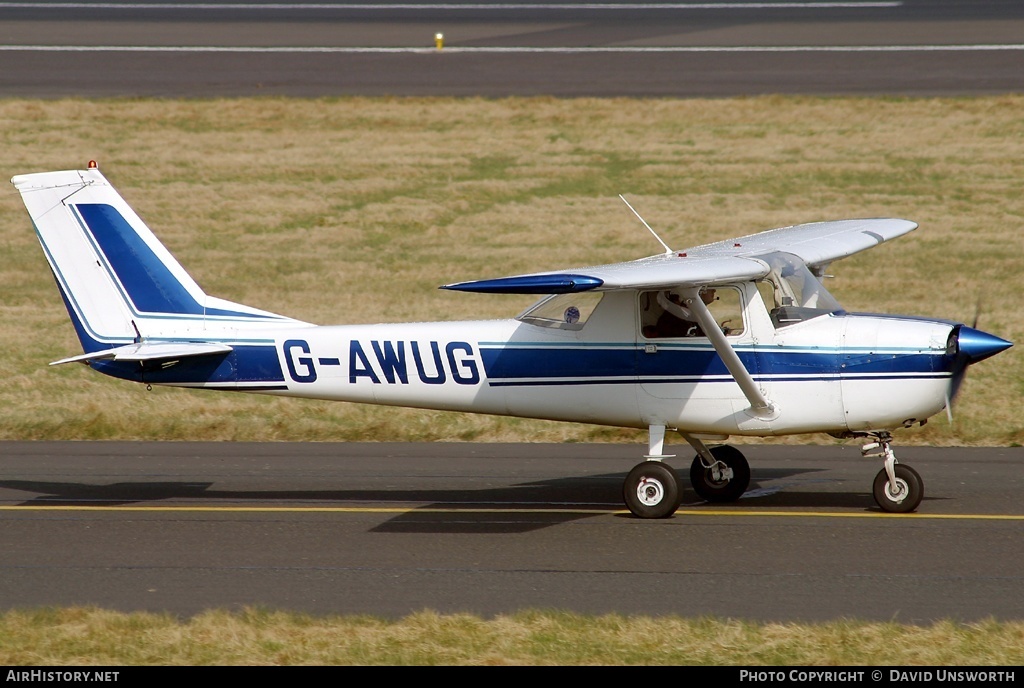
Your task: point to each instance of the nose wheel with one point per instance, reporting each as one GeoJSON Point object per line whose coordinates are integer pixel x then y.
{"type": "Point", "coordinates": [901, 495]}
{"type": "Point", "coordinates": [897, 488]}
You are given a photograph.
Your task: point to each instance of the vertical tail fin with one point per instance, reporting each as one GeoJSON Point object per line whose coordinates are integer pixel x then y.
{"type": "Point", "coordinates": [118, 281]}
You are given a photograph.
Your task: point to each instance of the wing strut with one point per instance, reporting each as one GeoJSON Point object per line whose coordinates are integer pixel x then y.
{"type": "Point", "coordinates": [760, 406]}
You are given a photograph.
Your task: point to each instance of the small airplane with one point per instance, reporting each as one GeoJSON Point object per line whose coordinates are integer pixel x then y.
{"type": "Point", "coordinates": [738, 337]}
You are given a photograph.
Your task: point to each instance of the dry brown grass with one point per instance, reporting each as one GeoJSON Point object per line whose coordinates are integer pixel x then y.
{"type": "Point", "coordinates": [94, 637]}
{"type": "Point", "coordinates": [317, 208]}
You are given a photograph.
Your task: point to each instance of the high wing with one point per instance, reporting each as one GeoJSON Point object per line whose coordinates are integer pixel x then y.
{"type": "Point", "coordinates": [817, 244]}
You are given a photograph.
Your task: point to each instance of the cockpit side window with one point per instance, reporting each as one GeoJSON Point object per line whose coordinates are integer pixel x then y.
{"type": "Point", "coordinates": [792, 293]}
{"type": "Point", "coordinates": [663, 314]}
{"type": "Point", "coordinates": [562, 311]}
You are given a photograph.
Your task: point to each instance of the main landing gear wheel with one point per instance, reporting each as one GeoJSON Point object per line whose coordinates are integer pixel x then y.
{"type": "Point", "coordinates": [652, 490]}
{"type": "Point", "coordinates": [726, 481]}
{"type": "Point", "coordinates": [904, 496]}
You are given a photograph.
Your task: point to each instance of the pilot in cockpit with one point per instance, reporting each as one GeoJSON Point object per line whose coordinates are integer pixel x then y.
{"type": "Point", "coordinates": [677, 320]}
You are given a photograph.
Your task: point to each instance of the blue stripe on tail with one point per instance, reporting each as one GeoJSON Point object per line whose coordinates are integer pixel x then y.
{"type": "Point", "coordinates": [150, 284]}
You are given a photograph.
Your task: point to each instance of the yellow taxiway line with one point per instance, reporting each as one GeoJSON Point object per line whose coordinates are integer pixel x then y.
{"type": "Point", "coordinates": [488, 510]}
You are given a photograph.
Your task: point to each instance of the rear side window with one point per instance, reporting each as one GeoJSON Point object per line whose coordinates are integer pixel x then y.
{"type": "Point", "coordinates": [562, 311]}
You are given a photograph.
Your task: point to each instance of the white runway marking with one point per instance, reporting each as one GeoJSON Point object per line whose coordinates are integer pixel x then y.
{"type": "Point", "coordinates": [524, 49]}
{"type": "Point", "coordinates": [453, 6]}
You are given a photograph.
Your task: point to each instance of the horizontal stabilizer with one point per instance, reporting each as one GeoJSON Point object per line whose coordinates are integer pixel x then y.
{"type": "Point", "coordinates": [150, 351]}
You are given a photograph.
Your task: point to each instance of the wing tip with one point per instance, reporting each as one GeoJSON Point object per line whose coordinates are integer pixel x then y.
{"type": "Point", "coordinates": [529, 284]}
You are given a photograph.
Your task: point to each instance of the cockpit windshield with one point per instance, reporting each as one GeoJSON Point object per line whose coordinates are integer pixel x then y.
{"type": "Point", "coordinates": [562, 311]}
{"type": "Point", "coordinates": [792, 293]}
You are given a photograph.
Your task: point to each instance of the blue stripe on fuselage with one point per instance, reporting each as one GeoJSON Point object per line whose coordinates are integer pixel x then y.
{"type": "Point", "coordinates": [526, 365]}
{"type": "Point", "coordinates": [510, 363]}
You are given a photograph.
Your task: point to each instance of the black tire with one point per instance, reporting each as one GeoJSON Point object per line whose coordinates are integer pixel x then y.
{"type": "Point", "coordinates": [712, 490]}
{"type": "Point", "coordinates": [652, 490]}
{"type": "Point", "coordinates": [909, 495]}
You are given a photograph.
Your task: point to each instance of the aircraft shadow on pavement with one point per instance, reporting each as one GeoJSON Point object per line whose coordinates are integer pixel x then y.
{"type": "Point", "coordinates": [506, 509]}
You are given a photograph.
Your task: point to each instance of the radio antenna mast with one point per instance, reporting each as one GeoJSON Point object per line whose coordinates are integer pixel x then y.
{"type": "Point", "coordinates": [667, 249]}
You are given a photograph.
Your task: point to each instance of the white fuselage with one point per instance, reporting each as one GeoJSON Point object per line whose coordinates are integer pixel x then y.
{"type": "Point", "coordinates": [833, 373]}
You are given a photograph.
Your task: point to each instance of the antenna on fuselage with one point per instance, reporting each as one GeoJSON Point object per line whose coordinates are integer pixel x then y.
{"type": "Point", "coordinates": [667, 249]}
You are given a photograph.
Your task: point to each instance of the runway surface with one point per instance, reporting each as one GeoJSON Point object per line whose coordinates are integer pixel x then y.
{"type": "Point", "coordinates": [911, 47]}
{"type": "Point", "coordinates": [391, 529]}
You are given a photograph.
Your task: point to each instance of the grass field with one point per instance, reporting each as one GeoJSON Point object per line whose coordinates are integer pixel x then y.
{"type": "Point", "coordinates": [355, 210]}
{"type": "Point", "coordinates": [93, 637]}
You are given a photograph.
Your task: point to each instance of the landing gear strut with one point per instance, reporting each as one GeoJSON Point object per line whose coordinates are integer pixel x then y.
{"type": "Point", "coordinates": [725, 479]}
{"type": "Point", "coordinates": [718, 474]}
{"type": "Point", "coordinates": [652, 490]}
{"type": "Point", "coordinates": [897, 488]}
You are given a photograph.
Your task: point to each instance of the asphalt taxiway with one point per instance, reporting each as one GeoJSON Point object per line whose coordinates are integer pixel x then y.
{"type": "Point", "coordinates": [391, 529]}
